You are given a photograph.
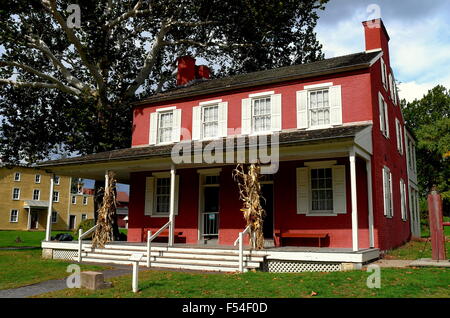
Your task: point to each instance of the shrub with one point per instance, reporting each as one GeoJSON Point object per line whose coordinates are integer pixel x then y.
{"type": "Point", "coordinates": [85, 226]}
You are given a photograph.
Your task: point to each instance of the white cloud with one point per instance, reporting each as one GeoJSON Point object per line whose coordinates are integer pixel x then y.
{"type": "Point", "coordinates": [413, 90]}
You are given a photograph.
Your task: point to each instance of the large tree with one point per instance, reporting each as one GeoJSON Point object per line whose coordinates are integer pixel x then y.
{"type": "Point", "coordinates": [72, 86]}
{"type": "Point", "coordinates": [429, 120]}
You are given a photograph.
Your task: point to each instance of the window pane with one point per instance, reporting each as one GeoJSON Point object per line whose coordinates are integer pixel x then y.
{"type": "Point", "coordinates": [261, 114]}
{"type": "Point", "coordinates": [321, 189]}
{"type": "Point", "coordinates": [319, 108]}
{"type": "Point", "coordinates": [165, 127]}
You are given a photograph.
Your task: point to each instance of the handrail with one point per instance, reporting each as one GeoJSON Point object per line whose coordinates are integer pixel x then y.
{"type": "Point", "coordinates": [81, 235]}
{"type": "Point", "coordinates": [240, 239]}
{"type": "Point", "coordinates": [151, 237]}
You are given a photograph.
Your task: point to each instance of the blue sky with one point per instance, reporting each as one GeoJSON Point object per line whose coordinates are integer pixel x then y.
{"type": "Point", "coordinates": [419, 31]}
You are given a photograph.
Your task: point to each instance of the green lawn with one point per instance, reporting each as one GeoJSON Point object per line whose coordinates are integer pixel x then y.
{"type": "Point", "coordinates": [25, 267]}
{"type": "Point", "coordinates": [424, 282]}
{"type": "Point", "coordinates": [414, 250]}
{"type": "Point", "coordinates": [27, 238]}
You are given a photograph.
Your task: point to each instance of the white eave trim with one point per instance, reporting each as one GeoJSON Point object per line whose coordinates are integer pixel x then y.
{"type": "Point", "coordinates": [328, 84]}
{"type": "Point", "coordinates": [210, 102]}
{"type": "Point", "coordinates": [166, 109]}
{"type": "Point", "coordinates": [261, 94]}
{"type": "Point", "coordinates": [376, 58]}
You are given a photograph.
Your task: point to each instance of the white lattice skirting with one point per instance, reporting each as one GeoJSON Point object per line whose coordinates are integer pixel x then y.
{"type": "Point", "coordinates": [64, 254]}
{"type": "Point", "coordinates": [301, 266]}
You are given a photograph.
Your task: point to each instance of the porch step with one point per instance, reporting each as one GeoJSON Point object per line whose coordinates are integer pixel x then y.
{"type": "Point", "coordinates": [203, 259]}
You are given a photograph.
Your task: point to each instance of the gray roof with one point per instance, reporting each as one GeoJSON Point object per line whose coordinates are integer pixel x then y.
{"type": "Point", "coordinates": [328, 66]}
{"type": "Point", "coordinates": [286, 138]}
{"type": "Point", "coordinates": [35, 204]}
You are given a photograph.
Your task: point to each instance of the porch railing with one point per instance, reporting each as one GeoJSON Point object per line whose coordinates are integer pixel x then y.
{"type": "Point", "coordinates": [81, 235]}
{"type": "Point", "coordinates": [240, 240]}
{"type": "Point", "coordinates": [151, 237]}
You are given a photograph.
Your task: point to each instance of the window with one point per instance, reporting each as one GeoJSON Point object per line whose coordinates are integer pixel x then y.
{"type": "Point", "coordinates": [321, 190]}
{"type": "Point", "coordinates": [387, 192]}
{"type": "Point", "coordinates": [85, 200]}
{"type": "Point", "coordinates": [399, 132]}
{"type": "Point", "coordinates": [17, 176]}
{"type": "Point", "coordinates": [56, 180]}
{"type": "Point", "coordinates": [261, 114]}
{"type": "Point", "coordinates": [37, 178]}
{"type": "Point", "coordinates": [403, 199]}
{"type": "Point", "coordinates": [55, 196]}
{"type": "Point", "coordinates": [14, 216]}
{"type": "Point", "coordinates": [54, 217]}
{"type": "Point", "coordinates": [319, 108]}
{"type": "Point", "coordinates": [36, 194]}
{"type": "Point", "coordinates": [74, 199]}
{"type": "Point", "coordinates": [83, 217]}
{"type": "Point", "coordinates": [162, 195]}
{"type": "Point", "coordinates": [16, 194]}
{"type": "Point", "coordinates": [210, 121]}
{"type": "Point", "coordinates": [384, 121]}
{"type": "Point", "coordinates": [165, 126]}
{"type": "Point", "coordinates": [384, 77]}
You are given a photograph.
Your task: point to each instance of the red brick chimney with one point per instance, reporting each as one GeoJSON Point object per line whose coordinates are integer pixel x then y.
{"type": "Point", "coordinates": [188, 71]}
{"type": "Point", "coordinates": [377, 37]}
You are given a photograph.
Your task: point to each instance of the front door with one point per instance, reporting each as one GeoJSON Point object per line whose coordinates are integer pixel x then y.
{"type": "Point", "coordinates": [209, 211]}
{"type": "Point", "coordinates": [267, 205]}
{"type": "Point", "coordinates": [71, 222]}
{"type": "Point", "coordinates": [34, 225]}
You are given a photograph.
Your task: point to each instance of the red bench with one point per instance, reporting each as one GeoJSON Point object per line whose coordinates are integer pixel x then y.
{"type": "Point", "coordinates": [164, 234]}
{"type": "Point", "coordinates": [298, 234]}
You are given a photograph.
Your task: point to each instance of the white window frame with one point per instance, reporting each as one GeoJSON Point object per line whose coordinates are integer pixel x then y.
{"type": "Point", "coordinates": [85, 200]}
{"type": "Point", "coordinates": [73, 200]}
{"type": "Point", "coordinates": [388, 200]}
{"type": "Point", "coordinates": [16, 220]}
{"type": "Point", "coordinates": [15, 176]}
{"type": "Point", "coordinates": [384, 74]}
{"type": "Point", "coordinates": [202, 121]}
{"type": "Point", "coordinates": [83, 217]}
{"type": "Point", "coordinates": [252, 112]}
{"type": "Point", "coordinates": [37, 178]}
{"type": "Point", "coordinates": [403, 200]}
{"type": "Point", "coordinates": [150, 194]}
{"type": "Point", "coordinates": [399, 132]}
{"type": "Point", "coordinates": [18, 194]}
{"type": "Point", "coordinates": [158, 134]}
{"type": "Point", "coordinates": [315, 90]}
{"type": "Point", "coordinates": [54, 218]}
{"type": "Point", "coordinates": [57, 196]}
{"type": "Point", "coordinates": [57, 180]}
{"type": "Point", "coordinates": [384, 117]}
{"type": "Point", "coordinates": [38, 196]}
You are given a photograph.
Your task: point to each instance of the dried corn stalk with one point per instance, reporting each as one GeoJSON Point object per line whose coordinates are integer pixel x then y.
{"type": "Point", "coordinates": [250, 193]}
{"type": "Point", "coordinates": [106, 214]}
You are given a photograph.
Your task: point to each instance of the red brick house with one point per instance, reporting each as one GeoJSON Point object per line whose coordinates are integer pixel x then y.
{"type": "Point", "coordinates": [341, 168]}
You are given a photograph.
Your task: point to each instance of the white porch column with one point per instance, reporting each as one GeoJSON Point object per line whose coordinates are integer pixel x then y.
{"type": "Point", "coordinates": [172, 206]}
{"type": "Point", "coordinates": [48, 229]}
{"type": "Point", "coordinates": [29, 220]}
{"type": "Point", "coordinates": [354, 200]}
{"type": "Point", "coordinates": [370, 202]}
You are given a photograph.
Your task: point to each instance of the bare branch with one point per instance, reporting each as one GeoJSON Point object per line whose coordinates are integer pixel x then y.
{"type": "Point", "coordinates": [59, 86]}
{"type": "Point", "coordinates": [208, 44]}
{"type": "Point", "coordinates": [50, 5]}
{"type": "Point", "coordinates": [191, 23]}
{"type": "Point", "coordinates": [133, 12]}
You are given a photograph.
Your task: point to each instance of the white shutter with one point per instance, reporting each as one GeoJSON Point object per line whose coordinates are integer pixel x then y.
{"type": "Point", "coordinates": [149, 195]}
{"type": "Point", "coordinates": [402, 200]}
{"type": "Point", "coordinates": [383, 73]}
{"type": "Point", "coordinates": [275, 112]}
{"type": "Point", "coordinates": [339, 190]}
{"type": "Point", "coordinates": [391, 87]}
{"type": "Point", "coordinates": [381, 110]}
{"type": "Point", "coordinates": [391, 197]}
{"type": "Point", "coordinates": [196, 122]}
{"type": "Point", "coordinates": [176, 128]}
{"type": "Point", "coordinates": [153, 128]}
{"type": "Point", "coordinates": [335, 99]}
{"type": "Point", "coordinates": [401, 137]}
{"type": "Point", "coordinates": [397, 134]}
{"type": "Point", "coordinates": [386, 118]}
{"type": "Point", "coordinates": [303, 190]}
{"type": "Point", "coordinates": [223, 119]}
{"type": "Point", "coordinates": [177, 186]}
{"type": "Point", "coordinates": [384, 192]}
{"type": "Point", "coordinates": [302, 109]}
{"type": "Point", "coordinates": [246, 120]}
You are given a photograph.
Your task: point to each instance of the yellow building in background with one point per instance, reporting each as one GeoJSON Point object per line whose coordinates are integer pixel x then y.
{"type": "Point", "coordinates": [24, 195]}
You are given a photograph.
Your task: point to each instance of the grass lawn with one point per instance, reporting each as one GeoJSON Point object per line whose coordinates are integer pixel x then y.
{"type": "Point", "coordinates": [424, 282]}
{"type": "Point", "coordinates": [25, 267]}
{"type": "Point", "coordinates": [414, 250]}
{"type": "Point", "coordinates": [28, 238]}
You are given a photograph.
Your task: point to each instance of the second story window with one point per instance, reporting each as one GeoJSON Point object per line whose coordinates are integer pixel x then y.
{"type": "Point", "coordinates": [210, 121]}
{"type": "Point", "coordinates": [165, 126]}
{"type": "Point", "coordinates": [399, 131]}
{"type": "Point", "coordinates": [56, 179]}
{"type": "Point", "coordinates": [36, 194]}
{"type": "Point", "coordinates": [55, 196]}
{"type": "Point", "coordinates": [261, 114]}
{"type": "Point", "coordinates": [319, 108]}
{"type": "Point", "coordinates": [387, 193]}
{"type": "Point", "coordinates": [37, 178]}
{"type": "Point", "coordinates": [384, 120]}
{"type": "Point", "coordinates": [16, 194]}
{"type": "Point", "coordinates": [85, 200]}
{"type": "Point", "coordinates": [17, 176]}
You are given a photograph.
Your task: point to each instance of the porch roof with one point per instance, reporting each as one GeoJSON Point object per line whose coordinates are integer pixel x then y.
{"type": "Point", "coordinates": [35, 204]}
{"type": "Point", "coordinates": [107, 160]}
